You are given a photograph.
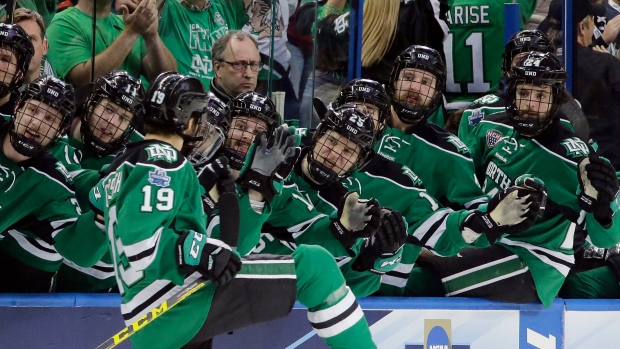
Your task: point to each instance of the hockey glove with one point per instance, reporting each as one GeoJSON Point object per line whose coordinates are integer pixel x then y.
{"type": "Point", "coordinates": [598, 188]}
{"type": "Point", "coordinates": [383, 251]}
{"type": "Point", "coordinates": [214, 259]}
{"type": "Point", "coordinates": [511, 211]}
{"type": "Point", "coordinates": [265, 166]}
{"type": "Point", "coordinates": [356, 219]}
{"type": "Point", "coordinates": [216, 179]}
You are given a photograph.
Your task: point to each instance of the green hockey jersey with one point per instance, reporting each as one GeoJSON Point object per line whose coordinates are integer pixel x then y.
{"type": "Point", "coordinates": [500, 155]}
{"type": "Point", "coordinates": [40, 219]}
{"type": "Point", "coordinates": [440, 159]}
{"type": "Point", "coordinates": [475, 45]}
{"type": "Point", "coordinates": [150, 194]}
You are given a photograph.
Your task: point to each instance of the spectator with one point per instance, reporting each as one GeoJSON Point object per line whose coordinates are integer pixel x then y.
{"type": "Point", "coordinates": [266, 29]}
{"type": "Point", "coordinates": [236, 62]}
{"type": "Point", "coordinates": [473, 54]}
{"type": "Point", "coordinates": [46, 8]}
{"type": "Point", "coordinates": [129, 42]}
{"type": "Point", "coordinates": [189, 29]}
{"type": "Point", "coordinates": [16, 51]}
{"type": "Point", "coordinates": [33, 24]}
{"type": "Point", "coordinates": [596, 85]}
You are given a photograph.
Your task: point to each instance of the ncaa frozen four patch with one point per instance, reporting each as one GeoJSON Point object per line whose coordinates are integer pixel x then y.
{"type": "Point", "coordinates": [159, 178]}
{"type": "Point", "coordinates": [493, 137]}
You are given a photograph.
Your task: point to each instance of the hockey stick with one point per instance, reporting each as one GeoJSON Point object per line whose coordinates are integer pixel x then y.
{"type": "Point", "coordinates": [229, 228]}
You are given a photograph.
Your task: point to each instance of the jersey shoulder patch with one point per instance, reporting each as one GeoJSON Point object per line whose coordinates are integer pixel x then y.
{"type": "Point", "coordinates": [380, 166]}
{"type": "Point", "coordinates": [443, 139]}
{"type": "Point", "coordinates": [486, 100]}
{"type": "Point", "coordinates": [53, 169]}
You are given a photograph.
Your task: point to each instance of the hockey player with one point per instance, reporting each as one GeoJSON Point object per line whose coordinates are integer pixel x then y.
{"type": "Point", "coordinates": [17, 51]}
{"type": "Point", "coordinates": [102, 127]}
{"type": "Point", "coordinates": [532, 265]}
{"type": "Point", "coordinates": [292, 218]}
{"type": "Point", "coordinates": [40, 221]}
{"type": "Point", "coordinates": [153, 183]}
{"type": "Point", "coordinates": [519, 44]}
{"type": "Point", "coordinates": [319, 176]}
{"type": "Point", "coordinates": [439, 158]}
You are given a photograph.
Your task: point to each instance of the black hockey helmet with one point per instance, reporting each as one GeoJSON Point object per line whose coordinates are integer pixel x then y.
{"type": "Point", "coordinates": [537, 69]}
{"type": "Point", "coordinates": [172, 100]}
{"type": "Point", "coordinates": [98, 132]}
{"type": "Point", "coordinates": [31, 118]}
{"type": "Point", "coordinates": [248, 105]}
{"type": "Point", "coordinates": [370, 92]}
{"type": "Point", "coordinates": [430, 62]}
{"type": "Point", "coordinates": [16, 38]}
{"type": "Point", "coordinates": [216, 122]}
{"type": "Point", "coordinates": [525, 41]}
{"type": "Point", "coordinates": [352, 125]}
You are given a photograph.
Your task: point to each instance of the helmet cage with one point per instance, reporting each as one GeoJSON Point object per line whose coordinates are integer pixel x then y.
{"type": "Point", "coordinates": [430, 62]}
{"type": "Point", "coordinates": [539, 69]}
{"type": "Point", "coordinates": [16, 38]}
{"type": "Point", "coordinates": [525, 41]}
{"type": "Point", "coordinates": [346, 124]}
{"type": "Point", "coordinates": [370, 92]}
{"type": "Point", "coordinates": [127, 93]}
{"type": "Point", "coordinates": [55, 94]}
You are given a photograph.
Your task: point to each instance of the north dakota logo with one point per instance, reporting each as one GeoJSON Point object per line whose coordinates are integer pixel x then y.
{"type": "Point", "coordinates": [575, 147]}
{"type": "Point", "coordinates": [460, 146]}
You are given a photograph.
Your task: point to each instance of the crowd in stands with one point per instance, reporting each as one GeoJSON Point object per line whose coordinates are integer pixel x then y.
{"type": "Point", "coordinates": [141, 152]}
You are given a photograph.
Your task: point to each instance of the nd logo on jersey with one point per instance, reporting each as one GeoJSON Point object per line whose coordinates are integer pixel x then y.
{"type": "Point", "coordinates": [162, 152]}
{"type": "Point", "coordinates": [575, 147]}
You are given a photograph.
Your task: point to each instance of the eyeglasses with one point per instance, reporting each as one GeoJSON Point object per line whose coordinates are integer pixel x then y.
{"type": "Point", "coordinates": [242, 66]}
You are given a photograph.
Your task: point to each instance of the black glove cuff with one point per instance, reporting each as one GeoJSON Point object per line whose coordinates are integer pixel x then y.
{"type": "Point", "coordinates": [256, 181]}
{"type": "Point", "coordinates": [481, 223]}
{"type": "Point", "coordinates": [366, 259]}
{"type": "Point", "coordinates": [342, 234]}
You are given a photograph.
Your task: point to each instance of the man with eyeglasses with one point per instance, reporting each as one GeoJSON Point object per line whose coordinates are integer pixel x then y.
{"type": "Point", "coordinates": [236, 62]}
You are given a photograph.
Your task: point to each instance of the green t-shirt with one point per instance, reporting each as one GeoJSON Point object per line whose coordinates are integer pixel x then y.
{"type": "Point", "coordinates": [70, 41]}
{"type": "Point", "coordinates": [190, 34]}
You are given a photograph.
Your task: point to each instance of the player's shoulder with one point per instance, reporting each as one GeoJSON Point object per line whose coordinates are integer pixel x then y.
{"type": "Point", "coordinates": [483, 108]}
{"type": "Point", "coordinates": [382, 167]}
{"type": "Point", "coordinates": [151, 153]}
{"type": "Point", "coordinates": [440, 139]}
{"type": "Point", "coordinates": [52, 171]}
{"type": "Point", "coordinates": [565, 143]}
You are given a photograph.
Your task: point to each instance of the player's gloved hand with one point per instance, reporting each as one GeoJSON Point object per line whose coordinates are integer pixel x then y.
{"type": "Point", "coordinates": [598, 188]}
{"type": "Point", "coordinates": [382, 252]}
{"type": "Point", "coordinates": [510, 211]}
{"type": "Point", "coordinates": [356, 219]}
{"type": "Point", "coordinates": [265, 166]}
{"type": "Point", "coordinates": [216, 179]}
{"type": "Point", "coordinates": [214, 259]}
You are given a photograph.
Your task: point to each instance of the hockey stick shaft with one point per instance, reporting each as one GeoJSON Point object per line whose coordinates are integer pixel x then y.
{"type": "Point", "coordinates": [229, 233]}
